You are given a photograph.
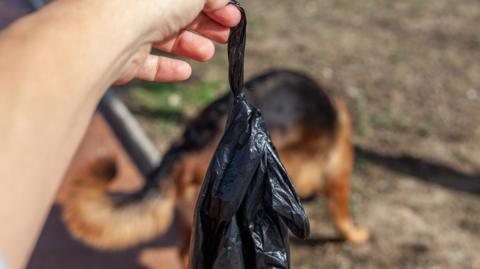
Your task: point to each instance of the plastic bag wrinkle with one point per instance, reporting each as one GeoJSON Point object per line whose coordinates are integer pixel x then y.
{"type": "Point", "coordinates": [247, 203]}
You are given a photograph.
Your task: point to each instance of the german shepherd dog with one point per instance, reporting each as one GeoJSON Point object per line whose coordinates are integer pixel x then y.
{"type": "Point", "coordinates": [311, 131]}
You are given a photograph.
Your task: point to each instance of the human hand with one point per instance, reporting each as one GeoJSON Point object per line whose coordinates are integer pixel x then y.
{"type": "Point", "coordinates": [187, 29]}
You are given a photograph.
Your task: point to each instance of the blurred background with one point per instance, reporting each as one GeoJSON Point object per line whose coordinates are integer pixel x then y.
{"type": "Point", "coordinates": [410, 73]}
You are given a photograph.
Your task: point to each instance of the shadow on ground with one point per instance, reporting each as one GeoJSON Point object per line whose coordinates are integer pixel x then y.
{"type": "Point", "coordinates": [316, 241]}
{"type": "Point", "coordinates": [425, 170]}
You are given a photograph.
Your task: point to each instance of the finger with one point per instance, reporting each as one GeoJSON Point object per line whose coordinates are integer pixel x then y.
{"type": "Point", "coordinates": [164, 69]}
{"type": "Point", "coordinates": [212, 5]}
{"type": "Point", "coordinates": [209, 28]}
{"type": "Point", "coordinates": [189, 45]}
{"type": "Point", "coordinates": [228, 16]}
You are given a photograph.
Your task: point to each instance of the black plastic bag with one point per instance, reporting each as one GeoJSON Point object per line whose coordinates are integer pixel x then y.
{"type": "Point", "coordinates": [247, 200]}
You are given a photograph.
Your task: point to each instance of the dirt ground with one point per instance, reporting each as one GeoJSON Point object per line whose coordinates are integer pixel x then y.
{"type": "Point", "coordinates": [410, 72]}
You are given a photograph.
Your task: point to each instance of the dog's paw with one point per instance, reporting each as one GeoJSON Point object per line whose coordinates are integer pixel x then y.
{"type": "Point", "coordinates": [357, 235]}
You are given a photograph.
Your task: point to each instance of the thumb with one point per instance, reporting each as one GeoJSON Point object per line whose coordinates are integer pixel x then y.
{"type": "Point", "coordinates": [212, 5]}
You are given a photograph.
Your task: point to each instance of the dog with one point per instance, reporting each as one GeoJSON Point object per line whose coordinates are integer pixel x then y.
{"type": "Point", "coordinates": [311, 131]}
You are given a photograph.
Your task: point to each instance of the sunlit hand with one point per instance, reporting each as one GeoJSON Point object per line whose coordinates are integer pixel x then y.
{"type": "Point", "coordinates": [194, 39]}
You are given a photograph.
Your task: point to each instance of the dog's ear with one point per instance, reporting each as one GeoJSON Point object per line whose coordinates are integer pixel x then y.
{"type": "Point", "coordinates": [104, 168]}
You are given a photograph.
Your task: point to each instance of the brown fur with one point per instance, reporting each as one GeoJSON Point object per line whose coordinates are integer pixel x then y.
{"type": "Point", "coordinates": [313, 141]}
{"type": "Point", "coordinates": [93, 217]}
{"type": "Point", "coordinates": [317, 164]}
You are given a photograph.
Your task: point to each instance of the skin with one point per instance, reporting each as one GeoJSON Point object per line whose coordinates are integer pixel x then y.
{"type": "Point", "coordinates": [56, 65]}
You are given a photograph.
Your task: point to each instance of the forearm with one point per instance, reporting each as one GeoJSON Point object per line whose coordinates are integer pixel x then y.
{"type": "Point", "coordinates": [54, 66]}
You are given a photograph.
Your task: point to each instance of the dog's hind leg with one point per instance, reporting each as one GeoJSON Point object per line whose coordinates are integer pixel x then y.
{"type": "Point", "coordinates": [338, 171]}
{"type": "Point", "coordinates": [184, 250]}
{"type": "Point", "coordinates": [338, 193]}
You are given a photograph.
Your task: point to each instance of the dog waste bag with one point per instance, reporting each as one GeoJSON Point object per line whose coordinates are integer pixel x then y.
{"type": "Point", "coordinates": [247, 201]}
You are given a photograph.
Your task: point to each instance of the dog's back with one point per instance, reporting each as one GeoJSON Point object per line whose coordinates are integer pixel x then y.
{"type": "Point", "coordinates": [311, 131]}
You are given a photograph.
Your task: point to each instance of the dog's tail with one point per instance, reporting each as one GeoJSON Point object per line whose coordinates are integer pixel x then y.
{"type": "Point", "coordinates": [100, 220]}
{"type": "Point", "coordinates": [96, 218]}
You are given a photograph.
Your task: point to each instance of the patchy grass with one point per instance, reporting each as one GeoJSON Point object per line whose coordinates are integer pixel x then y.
{"type": "Point", "coordinates": [382, 119]}
{"type": "Point", "coordinates": [162, 106]}
{"type": "Point", "coordinates": [397, 56]}
{"type": "Point", "coordinates": [362, 165]}
{"type": "Point", "coordinates": [362, 124]}
{"type": "Point", "coordinates": [171, 96]}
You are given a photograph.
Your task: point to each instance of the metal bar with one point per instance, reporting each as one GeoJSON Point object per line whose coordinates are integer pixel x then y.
{"type": "Point", "coordinates": [131, 135]}
{"type": "Point", "coordinates": [37, 4]}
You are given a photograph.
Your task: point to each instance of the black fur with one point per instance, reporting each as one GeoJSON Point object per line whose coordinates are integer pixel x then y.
{"type": "Point", "coordinates": [286, 99]}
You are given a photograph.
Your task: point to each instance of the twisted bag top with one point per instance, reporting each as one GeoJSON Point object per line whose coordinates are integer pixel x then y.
{"type": "Point", "coordinates": [247, 200]}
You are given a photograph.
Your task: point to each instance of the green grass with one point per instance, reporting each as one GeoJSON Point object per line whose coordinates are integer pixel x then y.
{"type": "Point", "coordinates": [173, 97]}
{"type": "Point", "coordinates": [151, 96]}
{"type": "Point", "coordinates": [362, 126]}
{"type": "Point", "coordinates": [353, 5]}
{"type": "Point", "coordinates": [202, 93]}
{"type": "Point", "coordinates": [362, 165]}
{"type": "Point", "coordinates": [417, 7]}
{"type": "Point", "coordinates": [161, 126]}
{"type": "Point", "coordinates": [167, 104]}
{"type": "Point", "coordinates": [382, 119]}
{"type": "Point", "coordinates": [397, 56]}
